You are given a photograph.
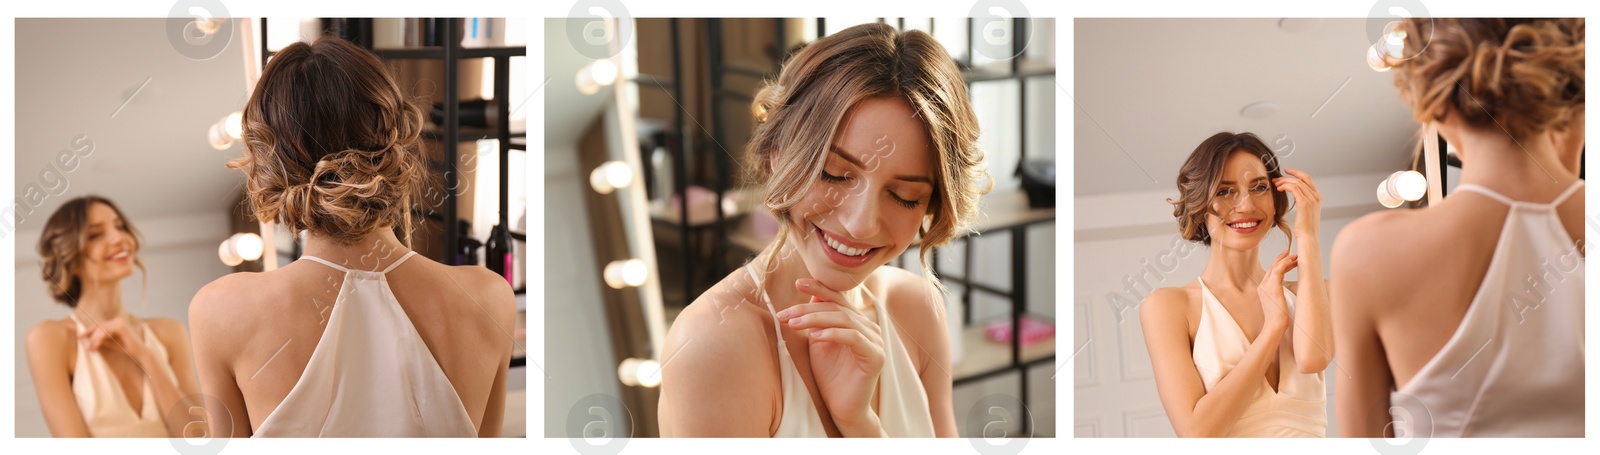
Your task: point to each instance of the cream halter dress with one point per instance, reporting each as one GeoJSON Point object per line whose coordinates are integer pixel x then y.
{"type": "Point", "coordinates": [105, 406]}
{"type": "Point", "coordinates": [1514, 366]}
{"type": "Point", "coordinates": [1299, 408]}
{"type": "Point", "coordinates": [902, 401]}
{"type": "Point", "coordinates": [370, 375]}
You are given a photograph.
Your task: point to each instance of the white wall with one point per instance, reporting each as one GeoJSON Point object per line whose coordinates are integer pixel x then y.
{"type": "Point", "coordinates": [1131, 238]}
{"type": "Point", "coordinates": [578, 358]}
{"type": "Point", "coordinates": [180, 253]}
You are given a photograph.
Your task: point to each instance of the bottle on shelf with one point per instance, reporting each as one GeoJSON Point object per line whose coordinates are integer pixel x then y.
{"type": "Point", "coordinates": [497, 254]}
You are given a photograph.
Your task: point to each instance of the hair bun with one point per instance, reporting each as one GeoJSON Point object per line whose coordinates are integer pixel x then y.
{"type": "Point", "coordinates": [1525, 76]}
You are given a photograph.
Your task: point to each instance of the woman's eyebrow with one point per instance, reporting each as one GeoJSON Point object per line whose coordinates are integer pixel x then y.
{"type": "Point", "coordinates": [842, 153]}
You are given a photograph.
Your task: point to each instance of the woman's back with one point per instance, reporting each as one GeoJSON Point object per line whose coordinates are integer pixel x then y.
{"type": "Point", "coordinates": [1469, 311]}
{"type": "Point", "coordinates": [271, 324]}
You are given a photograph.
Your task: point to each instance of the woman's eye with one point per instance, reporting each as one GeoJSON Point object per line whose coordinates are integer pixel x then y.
{"type": "Point", "coordinates": [1259, 189]}
{"type": "Point", "coordinates": [1225, 191]}
{"type": "Point", "coordinates": [832, 178]}
{"type": "Point", "coordinates": [910, 204]}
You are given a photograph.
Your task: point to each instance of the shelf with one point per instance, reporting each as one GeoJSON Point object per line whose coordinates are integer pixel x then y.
{"type": "Point", "coordinates": [981, 356]}
{"type": "Point", "coordinates": [468, 134]}
{"type": "Point", "coordinates": [1001, 70]}
{"type": "Point", "coordinates": [437, 52]}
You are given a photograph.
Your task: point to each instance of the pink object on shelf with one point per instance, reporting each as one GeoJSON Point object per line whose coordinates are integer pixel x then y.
{"type": "Point", "coordinates": [1033, 330]}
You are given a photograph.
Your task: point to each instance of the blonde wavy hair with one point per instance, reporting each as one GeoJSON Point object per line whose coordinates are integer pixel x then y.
{"type": "Point", "coordinates": [331, 143]}
{"type": "Point", "coordinates": [798, 114]}
{"type": "Point", "coordinates": [1522, 75]}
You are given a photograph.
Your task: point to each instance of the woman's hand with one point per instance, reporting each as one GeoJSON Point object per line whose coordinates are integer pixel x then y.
{"type": "Point", "coordinates": [1308, 202]}
{"type": "Point", "coordinates": [846, 356]}
{"type": "Point", "coordinates": [112, 336]}
{"type": "Point", "coordinates": [1274, 307]}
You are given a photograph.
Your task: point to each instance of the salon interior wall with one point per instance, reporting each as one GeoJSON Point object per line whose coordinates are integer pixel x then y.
{"type": "Point", "coordinates": [1125, 238]}
{"type": "Point", "coordinates": [580, 362]}
{"type": "Point", "coordinates": [180, 253]}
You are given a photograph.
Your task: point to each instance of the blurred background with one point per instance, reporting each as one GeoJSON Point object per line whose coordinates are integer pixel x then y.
{"type": "Point", "coordinates": [162, 112]}
{"type": "Point", "coordinates": [644, 141]}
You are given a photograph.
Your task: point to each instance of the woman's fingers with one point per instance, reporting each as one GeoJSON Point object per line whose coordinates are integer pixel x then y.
{"type": "Point", "coordinates": [821, 315]}
{"type": "Point", "coordinates": [1304, 177]}
{"type": "Point", "coordinates": [816, 289]}
{"type": "Point", "coordinates": [864, 347]}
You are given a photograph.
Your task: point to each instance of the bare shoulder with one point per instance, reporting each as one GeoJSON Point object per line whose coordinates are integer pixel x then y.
{"type": "Point", "coordinates": [1164, 303]}
{"type": "Point", "coordinates": [229, 303]}
{"type": "Point", "coordinates": [915, 302]}
{"type": "Point", "coordinates": [487, 287]}
{"type": "Point", "coordinates": [724, 331]}
{"type": "Point", "coordinates": [1364, 251]}
{"type": "Point", "coordinates": [52, 336]}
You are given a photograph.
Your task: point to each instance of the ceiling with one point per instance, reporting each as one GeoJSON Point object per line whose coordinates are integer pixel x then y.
{"type": "Point", "coordinates": [1149, 90]}
{"type": "Point", "coordinates": [146, 107]}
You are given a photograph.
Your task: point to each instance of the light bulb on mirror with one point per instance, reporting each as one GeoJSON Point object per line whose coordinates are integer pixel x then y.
{"type": "Point", "coordinates": [245, 246]}
{"type": "Point", "coordinates": [626, 273]}
{"type": "Point", "coordinates": [1400, 187]}
{"type": "Point", "coordinates": [595, 75]}
{"type": "Point", "coordinates": [639, 372]}
{"type": "Point", "coordinates": [610, 176]}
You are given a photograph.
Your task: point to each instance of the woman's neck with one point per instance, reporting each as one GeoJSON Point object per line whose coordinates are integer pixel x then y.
{"type": "Point", "coordinates": [1523, 169]}
{"type": "Point", "coordinates": [373, 252]}
{"type": "Point", "coordinates": [779, 270]}
{"type": "Point", "coordinates": [1233, 269]}
{"type": "Point", "coordinates": [99, 301]}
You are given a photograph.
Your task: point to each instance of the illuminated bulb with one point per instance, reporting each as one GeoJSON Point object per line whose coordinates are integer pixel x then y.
{"type": "Point", "coordinates": [234, 124]}
{"type": "Point", "coordinates": [1411, 185]}
{"type": "Point", "coordinates": [598, 74]}
{"type": "Point", "coordinates": [639, 372]}
{"type": "Point", "coordinates": [1402, 186]}
{"type": "Point", "coordinates": [610, 176]}
{"type": "Point", "coordinates": [248, 245]}
{"type": "Point", "coordinates": [626, 273]}
{"type": "Point", "coordinates": [1375, 59]}
{"type": "Point", "coordinates": [228, 256]}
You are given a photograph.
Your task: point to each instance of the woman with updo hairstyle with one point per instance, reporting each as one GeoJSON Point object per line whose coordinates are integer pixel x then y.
{"type": "Point", "coordinates": [1238, 352]}
{"type": "Point", "coordinates": [1466, 318]}
{"type": "Point", "coordinates": [359, 338]}
{"type": "Point", "coordinates": [865, 144]}
{"type": "Point", "coordinates": [102, 372]}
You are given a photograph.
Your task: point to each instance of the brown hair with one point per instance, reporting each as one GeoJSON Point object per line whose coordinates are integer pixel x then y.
{"type": "Point", "coordinates": [1201, 175]}
{"type": "Point", "coordinates": [62, 243]}
{"type": "Point", "coordinates": [331, 143]}
{"type": "Point", "coordinates": [1524, 76]}
{"type": "Point", "coordinates": [798, 115]}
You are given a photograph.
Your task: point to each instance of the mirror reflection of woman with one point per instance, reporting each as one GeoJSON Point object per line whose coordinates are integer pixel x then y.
{"type": "Point", "coordinates": [103, 372]}
{"type": "Point", "coordinates": [1238, 352]}
{"type": "Point", "coordinates": [865, 142]}
{"type": "Point", "coordinates": [1465, 318]}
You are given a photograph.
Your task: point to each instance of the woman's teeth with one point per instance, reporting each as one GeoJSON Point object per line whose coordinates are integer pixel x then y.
{"type": "Point", "coordinates": [1245, 225]}
{"type": "Point", "coordinates": [847, 251]}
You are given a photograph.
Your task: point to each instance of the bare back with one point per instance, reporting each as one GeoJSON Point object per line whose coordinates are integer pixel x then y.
{"type": "Point", "coordinates": [262, 328]}
{"type": "Point", "coordinates": [1417, 301]}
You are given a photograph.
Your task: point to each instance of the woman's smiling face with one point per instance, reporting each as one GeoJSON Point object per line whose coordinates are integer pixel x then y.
{"type": "Point", "coordinates": [871, 197]}
{"type": "Point", "coordinates": [1241, 207]}
{"type": "Point", "coordinates": [109, 248]}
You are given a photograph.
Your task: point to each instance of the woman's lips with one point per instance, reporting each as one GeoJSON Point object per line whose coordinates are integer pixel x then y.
{"type": "Point", "coordinates": [827, 243]}
{"type": "Point", "coordinates": [1245, 226]}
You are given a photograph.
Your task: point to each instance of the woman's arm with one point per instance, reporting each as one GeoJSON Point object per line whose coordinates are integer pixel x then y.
{"type": "Point", "coordinates": [1361, 393]}
{"type": "Point", "coordinates": [213, 354]}
{"type": "Point", "coordinates": [1313, 319]}
{"type": "Point", "coordinates": [170, 395]}
{"type": "Point", "coordinates": [1195, 412]}
{"type": "Point", "coordinates": [505, 317]}
{"type": "Point", "coordinates": [48, 347]}
{"type": "Point", "coordinates": [1313, 313]}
